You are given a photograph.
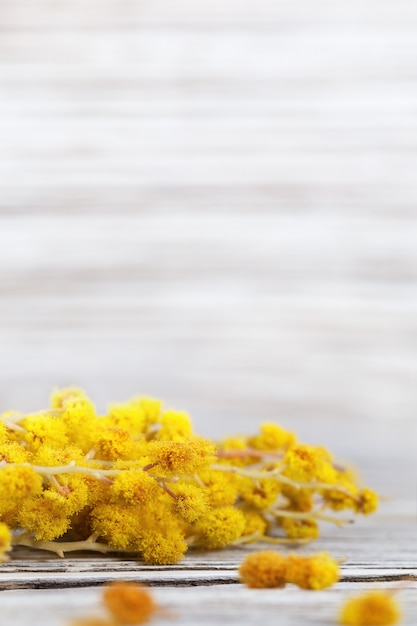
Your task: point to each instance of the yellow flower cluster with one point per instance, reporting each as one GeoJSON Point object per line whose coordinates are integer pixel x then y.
{"type": "Point", "coordinates": [138, 479]}
{"type": "Point", "coordinates": [268, 569]}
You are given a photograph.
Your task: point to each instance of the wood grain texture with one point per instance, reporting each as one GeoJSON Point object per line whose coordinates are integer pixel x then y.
{"type": "Point", "coordinates": [379, 552]}
{"type": "Point", "coordinates": [196, 605]}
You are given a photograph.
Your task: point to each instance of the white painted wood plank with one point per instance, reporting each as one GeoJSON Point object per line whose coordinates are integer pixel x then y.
{"type": "Point", "coordinates": [95, 12]}
{"type": "Point", "coordinates": [198, 605]}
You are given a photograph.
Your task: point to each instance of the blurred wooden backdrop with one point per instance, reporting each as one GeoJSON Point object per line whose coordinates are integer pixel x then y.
{"type": "Point", "coordinates": [214, 202]}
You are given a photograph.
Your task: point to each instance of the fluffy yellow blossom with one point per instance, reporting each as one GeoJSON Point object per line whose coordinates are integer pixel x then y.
{"type": "Point", "coordinates": [298, 499]}
{"type": "Point", "coordinates": [221, 488]}
{"type": "Point", "coordinates": [338, 500]}
{"type": "Point", "coordinates": [151, 410]}
{"type": "Point", "coordinates": [235, 451]}
{"type": "Point", "coordinates": [366, 501]}
{"type": "Point", "coordinates": [128, 603]}
{"type": "Point", "coordinates": [5, 541]}
{"type": "Point", "coordinates": [117, 525]}
{"type": "Point", "coordinates": [254, 522]}
{"type": "Point", "coordinates": [134, 486]}
{"type": "Point", "coordinates": [307, 463]}
{"type": "Point", "coordinates": [373, 608]}
{"type": "Point", "coordinates": [18, 483]}
{"type": "Point", "coordinates": [265, 569]}
{"type": "Point", "coordinates": [44, 516]}
{"type": "Point", "coordinates": [115, 443]}
{"type": "Point", "coordinates": [162, 547]}
{"type": "Point", "coordinates": [219, 527]}
{"type": "Point", "coordinates": [175, 426]}
{"type": "Point", "coordinates": [312, 572]}
{"type": "Point", "coordinates": [99, 491]}
{"type": "Point", "coordinates": [49, 456]}
{"type": "Point", "coordinates": [152, 531]}
{"type": "Point", "coordinates": [78, 415]}
{"type": "Point", "coordinates": [74, 403]}
{"type": "Point", "coordinates": [181, 457]}
{"type": "Point", "coordinates": [44, 429]}
{"type": "Point", "coordinates": [136, 416]}
{"type": "Point", "coordinates": [300, 528]}
{"type": "Point", "coordinates": [14, 452]}
{"type": "Point", "coordinates": [71, 493]}
{"type": "Point", "coordinates": [259, 493]}
{"type": "Point", "coordinates": [4, 433]}
{"type": "Point", "coordinates": [60, 397]}
{"type": "Point", "coordinates": [272, 438]}
{"type": "Point", "coordinates": [191, 502]}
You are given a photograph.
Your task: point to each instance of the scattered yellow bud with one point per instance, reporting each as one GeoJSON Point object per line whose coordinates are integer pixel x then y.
{"type": "Point", "coordinates": [262, 570]}
{"type": "Point", "coordinates": [128, 603]}
{"type": "Point", "coordinates": [373, 608]}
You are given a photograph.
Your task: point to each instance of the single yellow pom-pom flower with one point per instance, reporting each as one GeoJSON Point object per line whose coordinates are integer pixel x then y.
{"type": "Point", "coordinates": [300, 528]}
{"type": "Point", "coordinates": [44, 516]}
{"type": "Point", "coordinates": [18, 483]}
{"type": "Point", "coordinates": [128, 603]}
{"type": "Point", "coordinates": [312, 572]}
{"type": "Point", "coordinates": [265, 569]}
{"type": "Point", "coordinates": [272, 437]}
{"type": "Point", "coordinates": [221, 489]}
{"type": "Point", "coordinates": [14, 452]}
{"type": "Point", "coordinates": [44, 428]}
{"type": "Point", "coordinates": [374, 608]}
{"type": "Point", "coordinates": [181, 457]}
{"type": "Point", "coordinates": [134, 486]}
{"type": "Point", "coordinates": [367, 501]}
{"type": "Point", "coordinates": [59, 397]}
{"type": "Point", "coordinates": [305, 463]}
{"type": "Point", "coordinates": [163, 547]}
{"type": "Point", "coordinates": [254, 523]}
{"type": "Point", "coordinates": [191, 502]}
{"type": "Point", "coordinates": [220, 527]}
{"type": "Point", "coordinates": [175, 426]}
{"type": "Point", "coordinates": [261, 494]}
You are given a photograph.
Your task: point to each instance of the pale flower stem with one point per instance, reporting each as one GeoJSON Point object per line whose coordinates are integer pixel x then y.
{"type": "Point", "coordinates": [256, 536]}
{"type": "Point", "coordinates": [90, 454]}
{"type": "Point", "coordinates": [277, 475]}
{"type": "Point", "coordinates": [71, 468]}
{"type": "Point", "coordinates": [310, 515]}
{"type": "Point", "coordinates": [60, 547]}
{"type": "Point", "coordinates": [167, 490]}
{"type": "Point", "coordinates": [13, 425]}
{"type": "Point", "coordinates": [199, 482]}
{"type": "Point", "coordinates": [57, 485]}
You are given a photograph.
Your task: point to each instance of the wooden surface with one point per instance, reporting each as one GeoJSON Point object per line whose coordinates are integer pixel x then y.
{"type": "Point", "coordinates": [215, 203]}
{"type": "Point", "coordinates": [380, 552]}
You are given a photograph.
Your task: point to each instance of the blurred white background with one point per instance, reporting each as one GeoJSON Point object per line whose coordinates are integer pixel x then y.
{"type": "Point", "coordinates": [214, 202]}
